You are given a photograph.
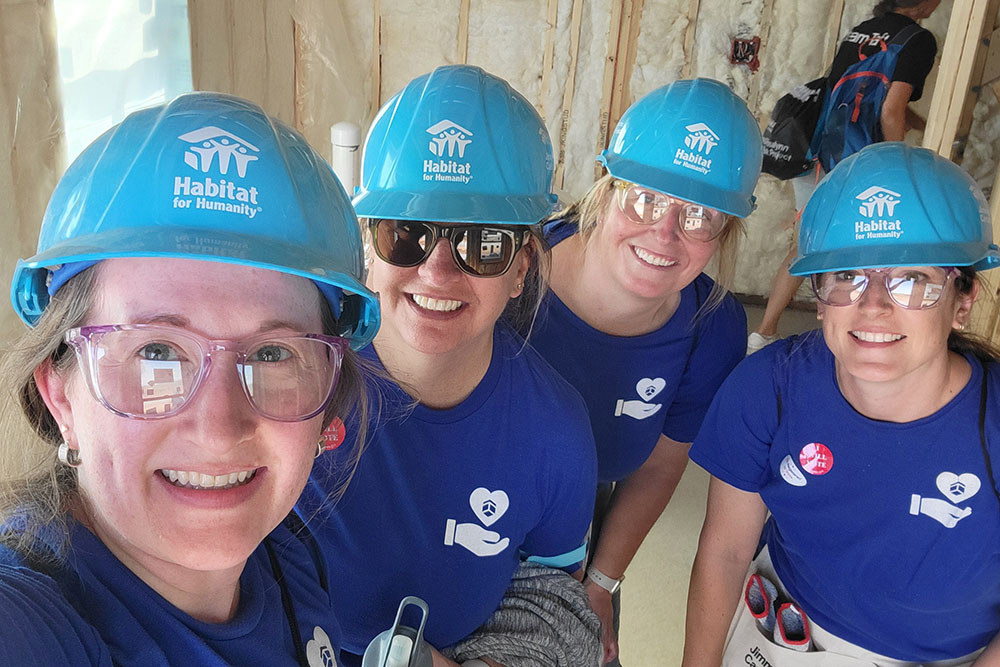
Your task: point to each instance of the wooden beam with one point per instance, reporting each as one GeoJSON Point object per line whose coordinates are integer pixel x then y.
{"type": "Point", "coordinates": [376, 99]}
{"type": "Point", "coordinates": [753, 98]}
{"type": "Point", "coordinates": [951, 56]}
{"type": "Point", "coordinates": [622, 95]}
{"type": "Point", "coordinates": [463, 32]}
{"type": "Point", "coordinates": [991, 68]}
{"type": "Point", "coordinates": [548, 55]}
{"type": "Point", "coordinates": [692, 16]}
{"type": "Point", "coordinates": [576, 19]}
{"type": "Point", "coordinates": [970, 73]}
{"type": "Point", "coordinates": [245, 48]}
{"type": "Point", "coordinates": [610, 62]}
{"type": "Point", "coordinates": [833, 33]}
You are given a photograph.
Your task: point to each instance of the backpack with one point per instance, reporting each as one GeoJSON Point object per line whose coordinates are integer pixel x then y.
{"type": "Point", "coordinates": [790, 131]}
{"type": "Point", "coordinates": [852, 114]}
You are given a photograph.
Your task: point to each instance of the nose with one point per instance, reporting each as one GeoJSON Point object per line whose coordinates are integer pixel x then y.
{"type": "Point", "coordinates": [440, 266]}
{"type": "Point", "coordinates": [667, 228]}
{"type": "Point", "coordinates": [875, 299]}
{"type": "Point", "coordinates": [223, 417]}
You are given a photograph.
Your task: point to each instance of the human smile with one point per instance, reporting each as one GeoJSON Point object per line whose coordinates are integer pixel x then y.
{"type": "Point", "coordinates": [876, 336]}
{"type": "Point", "coordinates": [196, 480]}
{"type": "Point", "coordinates": [438, 305]}
{"type": "Point", "coordinates": [651, 259]}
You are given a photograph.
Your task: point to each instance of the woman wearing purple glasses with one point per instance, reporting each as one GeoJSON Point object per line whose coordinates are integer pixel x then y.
{"type": "Point", "coordinates": [871, 443]}
{"type": "Point", "coordinates": [193, 305]}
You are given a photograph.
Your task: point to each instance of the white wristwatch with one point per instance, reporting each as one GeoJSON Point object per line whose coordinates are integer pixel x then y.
{"type": "Point", "coordinates": [610, 584]}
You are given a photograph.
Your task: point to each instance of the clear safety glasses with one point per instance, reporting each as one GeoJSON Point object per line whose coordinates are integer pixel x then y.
{"type": "Point", "coordinates": [909, 287]}
{"type": "Point", "coordinates": [145, 371]}
{"type": "Point", "coordinates": [646, 207]}
{"type": "Point", "coordinates": [478, 250]}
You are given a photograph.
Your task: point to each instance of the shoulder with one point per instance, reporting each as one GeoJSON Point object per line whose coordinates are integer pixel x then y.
{"type": "Point", "coordinates": [557, 230]}
{"type": "Point", "coordinates": [298, 552]}
{"type": "Point", "coordinates": [728, 313]}
{"type": "Point", "coordinates": [543, 398]}
{"type": "Point", "coordinates": [526, 365]}
{"type": "Point", "coordinates": [781, 361]}
{"type": "Point", "coordinates": [39, 626]}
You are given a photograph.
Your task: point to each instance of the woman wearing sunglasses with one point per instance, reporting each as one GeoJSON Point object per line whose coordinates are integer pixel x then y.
{"type": "Point", "coordinates": [482, 455]}
{"type": "Point", "coordinates": [872, 443]}
{"type": "Point", "coordinates": [632, 322]}
{"type": "Point", "coordinates": [193, 305]}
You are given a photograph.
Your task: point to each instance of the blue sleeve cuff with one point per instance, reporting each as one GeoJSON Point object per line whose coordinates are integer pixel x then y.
{"type": "Point", "coordinates": [568, 559]}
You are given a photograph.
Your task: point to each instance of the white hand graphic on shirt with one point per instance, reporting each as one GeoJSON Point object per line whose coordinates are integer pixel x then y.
{"type": "Point", "coordinates": [647, 388]}
{"type": "Point", "coordinates": [475, 538]}
{"type": "Point", "coordinates": [940, 510]}
{"type": "Point", "coordinates": [636, 409]}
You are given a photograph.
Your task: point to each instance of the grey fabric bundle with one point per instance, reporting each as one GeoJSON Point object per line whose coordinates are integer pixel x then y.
{"type": "Point", "coordinates": [544, 620]}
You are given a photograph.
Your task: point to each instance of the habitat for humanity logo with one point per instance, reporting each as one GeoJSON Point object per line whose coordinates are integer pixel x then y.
{"type": "Point", "coordinates": [214, 149]}
{"type": "Point", "coordinates": [878, 204]}
{"type": "Point", "coordinates": [448, 141]}
{"type": "Point", "coordinates": [700, 142]}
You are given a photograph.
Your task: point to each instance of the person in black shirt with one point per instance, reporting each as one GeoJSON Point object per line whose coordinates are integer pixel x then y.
{"type": "Point", "coordinates": [912, 67]}
{"type": "Point", "coordinates": [914, 64]}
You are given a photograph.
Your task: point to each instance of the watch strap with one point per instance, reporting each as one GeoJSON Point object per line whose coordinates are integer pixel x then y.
{"type": "Point", "coordinates": [610, 584]}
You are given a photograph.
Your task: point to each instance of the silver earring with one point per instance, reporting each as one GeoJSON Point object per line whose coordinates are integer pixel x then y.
{"type": "Point", "coordinates": [519, 286]}
{"type": "Point", "coordinates": [68, 456]}
{"type": "Point", "coordinates": [320, 447]}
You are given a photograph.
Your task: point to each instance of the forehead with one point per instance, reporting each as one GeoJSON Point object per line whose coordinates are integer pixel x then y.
{"type": "Point", "coordinates": [214, 298]}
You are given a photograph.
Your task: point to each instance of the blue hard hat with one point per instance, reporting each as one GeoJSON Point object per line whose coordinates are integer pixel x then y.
{"type": "Point", "coordinates": [457, 145]}
{"type": "Point", "coordinates": [895, 205]}
{"type": "Point", "coordinates": [694, 140]}
{"type": "Point", "coordinates": [211, 177]}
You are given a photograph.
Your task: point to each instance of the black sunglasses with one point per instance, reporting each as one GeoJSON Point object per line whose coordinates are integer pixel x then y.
{"type": "Point", "coordinates": [480, 251]}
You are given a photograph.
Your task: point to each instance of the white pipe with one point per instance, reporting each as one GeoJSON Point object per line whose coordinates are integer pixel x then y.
{"type": "Point", "coordinates": [345, 139]}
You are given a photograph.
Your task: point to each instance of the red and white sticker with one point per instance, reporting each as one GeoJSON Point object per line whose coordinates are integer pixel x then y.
{"type": "Point", "coordinates": [334, 434]}
{"type": "Point", "coordinates": [816, 458]}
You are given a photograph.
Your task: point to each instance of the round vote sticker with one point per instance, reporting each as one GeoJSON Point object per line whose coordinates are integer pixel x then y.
{"type": "Point", "coordinates": [334, 434]}
{"type": "Point", "coordinates": [816, 458]}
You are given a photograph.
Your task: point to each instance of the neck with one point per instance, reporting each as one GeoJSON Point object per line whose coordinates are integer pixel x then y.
{"type": "Point", "coordinates": [209, 596]}
{"type": "Point", "coordinates": [926, 390]}
{"type": "Point", "coordinates": [581, 281]}
{"type": "Point", "coordinates": [916, 12]}
{"type": "Point", "coordinates": [438, 381]}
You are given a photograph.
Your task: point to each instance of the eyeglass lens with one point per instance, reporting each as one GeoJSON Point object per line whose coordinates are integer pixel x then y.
{"type": "Point", "coordinates": [478, 250]}
{"type": "Point", "coordinates": [911, 288]}
{"type": "Point", "coordinates": [154, 371]}
{"type": "Point", "coordinates": [646, 207]}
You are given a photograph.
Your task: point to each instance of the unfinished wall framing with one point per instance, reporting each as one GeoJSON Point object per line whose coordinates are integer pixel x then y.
{"type": "Point", "coordinates": [580, 62]}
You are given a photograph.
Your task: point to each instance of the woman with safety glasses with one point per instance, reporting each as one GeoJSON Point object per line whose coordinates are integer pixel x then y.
{"type": "Point", "coordinates": [872, 443]}
{"type": "Point", "coordinates": [481, 456]}
{"type": "Point", "coordinates": [193, 305]}
{"type": "Point", "coordinates": [632, 322]}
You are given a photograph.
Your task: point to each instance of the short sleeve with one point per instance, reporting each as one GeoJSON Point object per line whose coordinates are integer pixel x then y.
{"type": "Point", "coordinates": [38, 626]}
{"type": "Point", "coordinates": [915, 62]}
{"type": "Point", "coordinates": [569, 483]}
{"type": "Point", "coordinates": [720, 345]}
{"type": "Point", "coordinates": [735, 439]}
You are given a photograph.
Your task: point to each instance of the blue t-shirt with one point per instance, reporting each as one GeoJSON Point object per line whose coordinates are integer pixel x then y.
{"type": "Point", "coordinates": [92, 610]}
{"type": "Point", "coordinates": [446, 503]}
{"type": "Point", "coordinates": [640, 387]}
{"type": "Point", "coordinates": [887, 534]}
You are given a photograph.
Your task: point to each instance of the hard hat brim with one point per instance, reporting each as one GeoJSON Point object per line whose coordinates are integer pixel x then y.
{"type": "Point", "coordinates": [454, 207]}
{"type": "Point", "coordinates": [29, 297]}
{"type": "Point", "coordinates": [677, 185]}
{"type": "Point", "coordinates": [867, 257]}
